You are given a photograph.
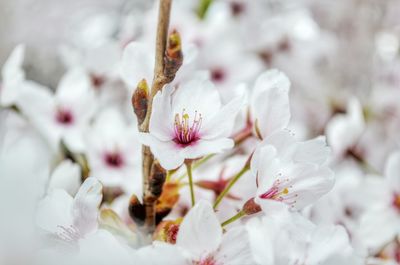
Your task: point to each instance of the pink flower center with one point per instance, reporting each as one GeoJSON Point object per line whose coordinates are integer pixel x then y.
{"type": "Point", "coordinates": [237, 8]}
{"type": "Point", "coordinates": [280, 192]}
{"type": "Point", "coordinates": [208, 261]}
{"type": "Point", "coordinates": [396, 201]}
{"type": "Point", "coordinates": [218, 75]}
{"type": "Point", "coordinates": [113, 159]}
{"type": "Point", "coordinates": [64, 116]}
{"type": "Point", "coordinates": [187, 132]}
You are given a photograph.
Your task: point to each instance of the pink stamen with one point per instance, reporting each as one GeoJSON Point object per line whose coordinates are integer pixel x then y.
{"type": "Point", "coordinates": [184, 133]}
{"type": "Point", "coordinates": [280, 192]}
{"type": "Point", "coordinates": [207, 261]}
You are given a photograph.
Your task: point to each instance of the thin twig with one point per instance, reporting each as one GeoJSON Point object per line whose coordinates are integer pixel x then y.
{"type": "Point", "coordinates": [159, 81]}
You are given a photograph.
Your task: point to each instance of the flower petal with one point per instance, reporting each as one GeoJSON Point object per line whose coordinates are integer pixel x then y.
{"type": "Point", "coordinates": [392, 170]}
{"type": "Point", "coordinates": [206, 147]}
{"type": "Point", "coordinates": [67, 176]}
{"type": "Point", "coordinates": [162, 121]}
{"type": "Point", "coordinates": [270, 102]}
{"type": "Point", "coordinates": [221, 124]}
{"type": "Point", "coordinates": [200, 233]}
{"type": "Point", "coordinates": [235, 248]}
{"type": "Point", "coordinates": [137, 63]}
{"type": "Point", "coordinates": [54, 211]}
{"type": "Point", "coordinates": [312, 151]}
{"type": "Point", "coordinates": [166, 152]}
{"type": "Point", "coordinates": [86, 204]}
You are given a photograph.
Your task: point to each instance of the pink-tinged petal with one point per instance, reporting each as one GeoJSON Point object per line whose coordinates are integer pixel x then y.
{"type": "Point", "coordinates": [221, 124]}
{"type": "Point", "coordinates": [392, 171]}
{"type": "Point", "coordinates": [270, 102]}
{"type": "Point", "coordinates": [312, 151]}
{"type": "Point", "coordinates": [200, 233]}
{"type": "Point", "coordinates": [86, 205]}
{"type": "Point", "coordinates": [54, 211]}
{"type": "Point", "coordinates": [162, 119]}
{"type": "Point", "coordinates": [206, 147]}
{"type": "Point", "coordinates": [167, 152]}
{"type": "Point", "coordinates": [235, 248]}
{"type": "Point", "coordinates": [137, 63]}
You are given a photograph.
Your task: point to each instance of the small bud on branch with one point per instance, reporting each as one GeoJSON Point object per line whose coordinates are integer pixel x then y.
{"type": "Point", "coordinates": [140, 100]}
{"type": "Point", "coordinates": [251, 207]}
{"type": "Point", "coordinates": [137, 210]}
{"type": "Point", "coordinates": [173, 55]}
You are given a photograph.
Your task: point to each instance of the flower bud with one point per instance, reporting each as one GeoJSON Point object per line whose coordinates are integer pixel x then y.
{"type": "Point", "coordinates": [137, 210]}
{"type": "Point", "coordinates": [157, 179]}
{"type": "Point", "coordinates": [251, 207]}
{"type": "Point", "coordinates": [173, 55]}
{"type": "Point", "coordinates": [140, 100]}
{"type": "Point", "coordinates": [167, 231]}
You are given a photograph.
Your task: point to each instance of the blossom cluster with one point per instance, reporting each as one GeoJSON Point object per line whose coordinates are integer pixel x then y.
{"type": "Point", "coordinates": [267, 152]}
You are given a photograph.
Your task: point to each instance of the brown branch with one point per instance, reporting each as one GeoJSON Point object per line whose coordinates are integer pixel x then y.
{"type": "Point", "coordinates": [149, 199]}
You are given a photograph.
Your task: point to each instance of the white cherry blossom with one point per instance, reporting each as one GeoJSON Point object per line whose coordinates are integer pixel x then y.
{"type": "Point", "coordinates": [189, 122]}
{"type": "Point", "coordinates": [292, 172]}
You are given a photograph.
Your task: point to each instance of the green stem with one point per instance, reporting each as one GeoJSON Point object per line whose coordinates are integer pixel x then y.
{"type": "Point", "coordinates": [230, 185]}
{"type": "Point", "coordinates": [233, 218]}
{"type": "Point", "coordinates": [203, 7]}
{"type": "Point", "coordinates": [189, 173]}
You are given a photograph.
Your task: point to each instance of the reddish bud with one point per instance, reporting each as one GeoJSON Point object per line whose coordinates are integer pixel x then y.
{"type": "Point", "coordinates": [251, 207]}
{"type": "Point", "coordinates": [173, 58]}
{"type": "Point", "coordinates": [140, 99]}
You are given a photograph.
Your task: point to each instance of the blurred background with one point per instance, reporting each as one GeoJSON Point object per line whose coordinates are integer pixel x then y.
{"type": "Point", "coordinates": [331, 50]}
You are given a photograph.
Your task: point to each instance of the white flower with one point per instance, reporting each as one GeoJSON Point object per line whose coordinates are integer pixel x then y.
{"type": "Point", "coordinates": [189, 123]}
{"type": "Point", "coordinates": [381, 221]}
{"type": "Point", "coordinates": [343, 130]}
{"type": "Point", "coordinates": [71, 219]}
{"type": "Point", "coordinates": [270, 108]}
{"type": "Point", "coordinates": [67, 176]}
{"type": "Point", "coordinates": [114, 152]}
{"type": "Point", "coordinates": [289, 239]}
{"type": "Point", "coordinates": [200, 235]}
{"type": "Point", "coordinates": [291, 172]}
{"type": "Point", "coordinates": [62, 116]}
